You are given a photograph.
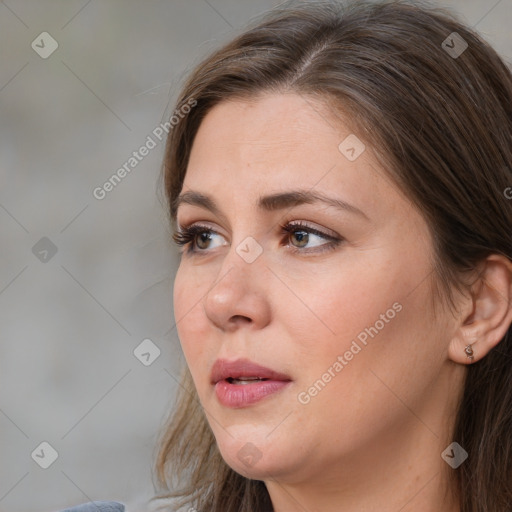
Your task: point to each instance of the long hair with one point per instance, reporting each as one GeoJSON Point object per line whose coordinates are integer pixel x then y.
{"type": "Point", "coordinates": [436, 107]}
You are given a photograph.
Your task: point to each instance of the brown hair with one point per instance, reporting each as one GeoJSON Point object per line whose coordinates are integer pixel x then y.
{"type": "Point", "coordinates": [442, 125]}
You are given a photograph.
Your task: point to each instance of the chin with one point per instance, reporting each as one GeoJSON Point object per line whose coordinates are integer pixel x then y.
{"type": "Point", "coordinates": [253, 459]}
{"type": "Point", "coordinates": [254, 470]}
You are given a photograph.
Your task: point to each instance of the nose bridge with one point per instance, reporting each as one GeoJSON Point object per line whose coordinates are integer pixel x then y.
{"type": "Point", "coordinates": [239, 288]}
{"type": "Point", "coordinates": [245, 252]}
{"type": "Point", "coordinates": [240, 267]}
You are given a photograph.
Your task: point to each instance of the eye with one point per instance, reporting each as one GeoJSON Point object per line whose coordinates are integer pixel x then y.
{"type": "Point", "coordinates": [198, 238]}
{"type": "Point", "coordinates": [303, 234]}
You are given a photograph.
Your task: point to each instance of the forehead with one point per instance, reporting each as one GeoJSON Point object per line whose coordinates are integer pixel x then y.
{"type": "Point", "coordinates": [276, 142]}
{"type": "Point", "coordinates": [269, 126]}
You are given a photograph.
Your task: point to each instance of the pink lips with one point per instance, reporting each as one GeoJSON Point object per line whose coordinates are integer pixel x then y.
{"type": "Point", "coordinates": [232, 393]}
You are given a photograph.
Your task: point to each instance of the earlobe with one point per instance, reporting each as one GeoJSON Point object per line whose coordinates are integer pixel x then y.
{"type": "Point", "coordinates": [469, 352]}
{"type": "Point", "coordinates": [491, 313]}
{"type": "Point", "coordinates": [464, 347]}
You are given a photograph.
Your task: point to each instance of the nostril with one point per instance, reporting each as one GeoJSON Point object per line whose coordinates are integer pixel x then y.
{"type": "Point", "coordinates": [240, 317]}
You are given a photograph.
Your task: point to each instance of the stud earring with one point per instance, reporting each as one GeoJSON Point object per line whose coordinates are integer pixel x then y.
{"type": "Point", "coordinates": [469, 352]}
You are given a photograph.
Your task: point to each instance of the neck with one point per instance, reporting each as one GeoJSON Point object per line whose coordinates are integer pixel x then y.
{"type": "Point", "coordinates": [405, 486]}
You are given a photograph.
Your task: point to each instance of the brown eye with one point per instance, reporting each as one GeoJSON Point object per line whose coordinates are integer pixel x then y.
{"type": "Point", "coordinates": [195, 238]}
{"type": "Point", "coordinates": [203, 238]}
{"type": "Point", "coordinates": [302, 237]}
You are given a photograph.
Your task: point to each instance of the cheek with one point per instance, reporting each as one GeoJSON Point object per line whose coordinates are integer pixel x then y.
{"type": "Point", "coordinates": [385, 343]}
{"type": "Point", "coordinates": [381, 287]}
{"type": "Point", "coordinates": [191, 325]}
{"type": "Point", "coordinates": [339, 303]}
{"type": "Point", "coordinates": [371, 311]}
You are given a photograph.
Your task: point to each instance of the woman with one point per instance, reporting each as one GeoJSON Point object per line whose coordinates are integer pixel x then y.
{"type": "Point", "coordinates": [340, 190]}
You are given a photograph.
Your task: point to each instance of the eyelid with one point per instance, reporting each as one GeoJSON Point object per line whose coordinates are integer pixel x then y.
{"type": "Point", "coordinates": [199, 225]}
{"type": "Point", "coordinates": [320, 231]}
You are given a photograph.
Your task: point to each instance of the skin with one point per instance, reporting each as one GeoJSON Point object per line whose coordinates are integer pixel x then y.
{"type": "Point", "coordinates": [371, 439]}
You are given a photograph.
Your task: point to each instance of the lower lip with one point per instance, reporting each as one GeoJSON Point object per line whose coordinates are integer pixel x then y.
{"type": "Point", "coordinates": [242, 395]}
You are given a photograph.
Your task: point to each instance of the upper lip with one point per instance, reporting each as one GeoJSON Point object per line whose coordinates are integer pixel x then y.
{"type": "Point", "coordinates": [223, 369]}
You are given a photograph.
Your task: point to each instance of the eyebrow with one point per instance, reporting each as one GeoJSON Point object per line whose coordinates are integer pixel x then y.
{"type": "Point", "coordinates": [272, 202]}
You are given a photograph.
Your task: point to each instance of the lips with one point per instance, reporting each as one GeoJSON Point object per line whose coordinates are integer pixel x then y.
{"type": "Point", "coordinates": [243, 370]}
{"type": "Point", "coordinates": [242, 383]}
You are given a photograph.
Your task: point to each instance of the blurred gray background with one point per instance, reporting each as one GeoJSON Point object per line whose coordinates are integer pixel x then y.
{"type": "Point", "coordinates": [84, 281]}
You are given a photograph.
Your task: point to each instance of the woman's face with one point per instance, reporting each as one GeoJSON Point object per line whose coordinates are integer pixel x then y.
{"type": "Point", "coordinates": [343, 316]}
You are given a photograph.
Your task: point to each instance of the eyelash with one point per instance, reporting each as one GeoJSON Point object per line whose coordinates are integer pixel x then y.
{"type": "Point", "coordinates": [187, 236]}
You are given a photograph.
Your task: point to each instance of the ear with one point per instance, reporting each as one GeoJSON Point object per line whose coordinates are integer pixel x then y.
{"type": "Point", "coordinates": [490, 312]}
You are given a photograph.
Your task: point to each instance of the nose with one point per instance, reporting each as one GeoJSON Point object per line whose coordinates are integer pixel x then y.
{"type": "Point", "coordinates": [240, 295]}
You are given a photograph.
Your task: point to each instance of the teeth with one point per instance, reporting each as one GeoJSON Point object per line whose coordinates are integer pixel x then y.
{"type": "Point", "coordinates": [244, 380]}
